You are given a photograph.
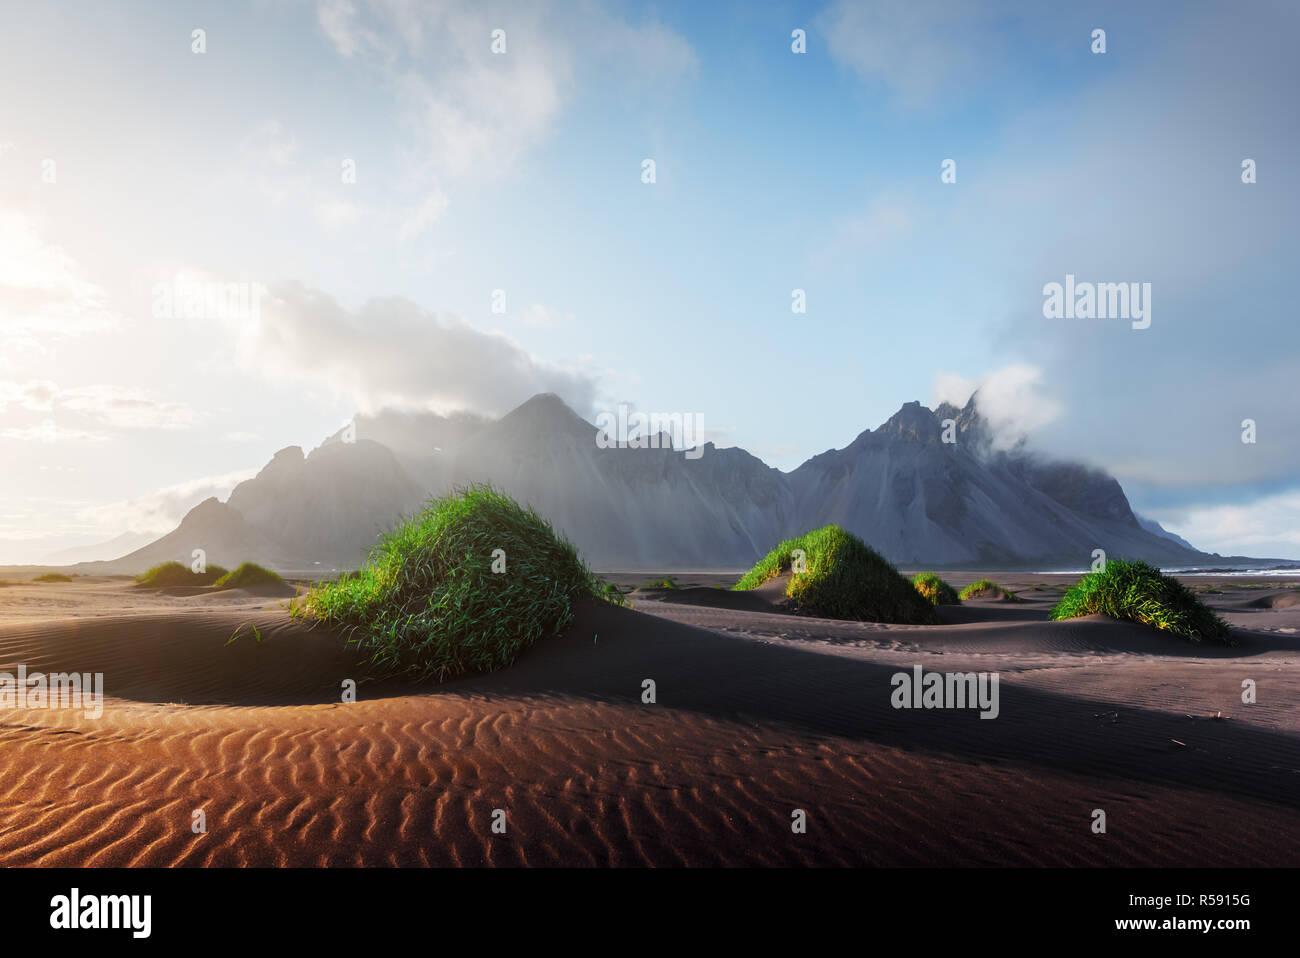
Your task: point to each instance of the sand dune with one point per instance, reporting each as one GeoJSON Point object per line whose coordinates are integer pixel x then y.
{"type": "Point", "coordinates": [759, 713]}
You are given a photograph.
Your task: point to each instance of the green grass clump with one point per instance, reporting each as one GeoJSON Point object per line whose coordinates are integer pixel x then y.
{"type": "Point", "coordinates": [1139, 593]}
{"type": "Point", "coordinates": [665, 583]}
{"type": "Point", "coordinates": [987, 589]}
{"type": "Point", "coordinates": [168, 574]}
{"type": "Point", "coordinates": [843, 578]}
{"type": "Point", "coordinates": [53, 577]}
{"type": "Point", "coordinates": [428, 602]}
{"type": "Point", "coordinates": [934, 589]}
{"type": "Point", "coordinates": [248, 574]}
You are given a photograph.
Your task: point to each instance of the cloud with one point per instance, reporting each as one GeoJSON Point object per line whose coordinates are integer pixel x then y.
{"type": "Point", "coordinates": [270, 164]}
{"type": "Point", "coordinates": [335, 214]}
{"type": "Point", "coordinates": [464, 108]}
{"type": "Point", "coordinates": [341, 23]}
{"type": "Point", "coordinates": [923, 51]}
{"type": "Point", "coordinates": [159, 512]}
{"type": "Point", "coordinates": [50, 432]}
{"type": "Point", "coordinates": [1164, 405]}
{"type": "Point", "coordinates": [392, 352]}
{"type": "Point", "coordinates": [269, 143]}
{"type": "Point", "coordinates": [428, 212]}
{"type": "Point", "coordinates": [1269, 526]}
{"type": "Point", "coordinates": [470, 111]}
{"type": "Point", "coordinates": [120, 407]}
{"type": "Point", "coordinates": [543, 317]}
{"type": "Point", "coordinates": [1012, 401]}
{"type": "Point", "coordinates": [125, 407]}
{"type": "Point", "coordinates": [1128, 170]}
{"type": "Point", "coordinates": [34, 395]}
{"type": "Point", "coordinates": [43, 291]}
{"type": "Point", "coordinates": [887, 220]}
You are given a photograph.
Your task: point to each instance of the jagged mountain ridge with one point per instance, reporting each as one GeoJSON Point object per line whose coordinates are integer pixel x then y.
{"type": "Point", "coordinates": [921, 500]}
{"type": "Point", "coordinates": [912, 495]}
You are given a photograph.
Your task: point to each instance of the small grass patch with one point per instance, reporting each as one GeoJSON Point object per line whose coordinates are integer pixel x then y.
{"type": "Point", "coordinates": [247, 575]}
{"type": "Point", "coordinates": [170, 574]}
{"type": "Point", "coordinates": [53, 577]}
{"type": "Point", "coordinates": [1140, 593]}
{"type": "Point", "coordinates": [934, 590]}
{"type": "Point", "coordinates": [841, 577]}
{"type": "Point", "coordinates": [987, 589]}
{"type": "Point", "coordinates": [465, 586]}
{"type": "Point", "coordinates": [665, 583]}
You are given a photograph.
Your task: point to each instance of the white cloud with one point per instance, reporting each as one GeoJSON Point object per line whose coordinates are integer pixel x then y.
{"type": "Point", "coordinates": [470, 111]}
{"type": "Point", "coordinates": [50, 432]}
{"type": "Point", "coordinates": [1012, 400]}
{"type": "Point", "coordinates": [35, 395]}
{"type": "Point", "coordinates": [543, 317]}
{"type": "Point", "coordinates": [465, 108]}
{"type": "Point", "coordinates": [428, 212]}
{"type": "Point", "coordinates": [339, 20]}
{"type": "Point", "coordinates": [124, 407]}
{"type": "Point", "coordinates": [120, 407]}
{"type": "Point", "coordinates": [1269, 526]}
{"type": "Point", "coordinates": [392, 352]}
{"type": "Point", "coordinates": [924, 51]}
{"type": "Point", "coordinates": [887, 219]}
{"type": "Point", "coordinates": [647, 53]}
{"type": "Point", "coordinates": [159, 512]}
{"type": "Point", "coordinates": [43, 292]}
{"type": "Point", "coordinates": [270, 164]}
{"type": "Point", "coordinates": [269, 143]}
{"type": "Point", "coordinates": [483, 116]}
{"type": "Point", "coordinates": [335, 214]}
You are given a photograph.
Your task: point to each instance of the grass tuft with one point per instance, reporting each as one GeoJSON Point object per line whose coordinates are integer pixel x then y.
{"type": "Point", "coordinates": [53, 577]}
{"type": "Point", "coordinates": [427, 600]}
{"type": "Point", "coordinates": [987, 589]}
{"type": "Point", "coordinates": [665, 583]}
{"type": "Point", "coordinates": [247, 575]}
{"type": "Point", "coordinates": [1139, 593]}
{"type": "Point", "coordinates": [843, 578]}
{"type": "Point", "coordinates": [935, 590]}
{"type": "Point", "coordinates": [169, 574]}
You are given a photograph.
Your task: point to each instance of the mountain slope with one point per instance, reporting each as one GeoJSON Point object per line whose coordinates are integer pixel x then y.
{"type": "Point", "coordinates": [299, 512]}
{"type": "Point", "coordinates": [101, 551]}
{"type": "Point", "coordinates": [912, 495]}
{"type": "Point", "coordinates": [1150, 525]}
{"type": "Point", "coordinates": [633, 508]}
{"type": "Point", "coordinates": [923, 501]}
{"type": "Point", "coordinates": [224, 535]}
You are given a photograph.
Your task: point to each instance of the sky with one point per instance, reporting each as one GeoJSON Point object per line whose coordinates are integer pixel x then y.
{"type": "Point", "coordinates": [379, 209]}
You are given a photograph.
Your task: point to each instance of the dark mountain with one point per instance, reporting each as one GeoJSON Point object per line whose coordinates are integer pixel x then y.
{"type": "Point", "coordinates": [631, 508]}
{"type": "Point", "coordinates": [224, 535]}
{"type": "Point", "coordinates": [920, 493]}
{"type": "Point", "coordinates": [924, 501]}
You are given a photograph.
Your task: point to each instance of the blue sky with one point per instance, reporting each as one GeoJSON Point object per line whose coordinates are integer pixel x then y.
{"type": "Point", "coordinates": [521, 172]}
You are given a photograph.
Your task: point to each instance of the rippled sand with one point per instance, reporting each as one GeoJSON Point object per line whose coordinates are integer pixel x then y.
{"type": "Point", "coordinates": [758, 714]}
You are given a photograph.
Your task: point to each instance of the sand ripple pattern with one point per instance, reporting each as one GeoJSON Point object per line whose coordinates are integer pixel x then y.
{"type": "Point", "coordinates": [748, 728]}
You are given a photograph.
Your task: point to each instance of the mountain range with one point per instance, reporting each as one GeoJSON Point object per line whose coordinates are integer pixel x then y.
{"type": "Point", "coordinates": [925, 488]}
